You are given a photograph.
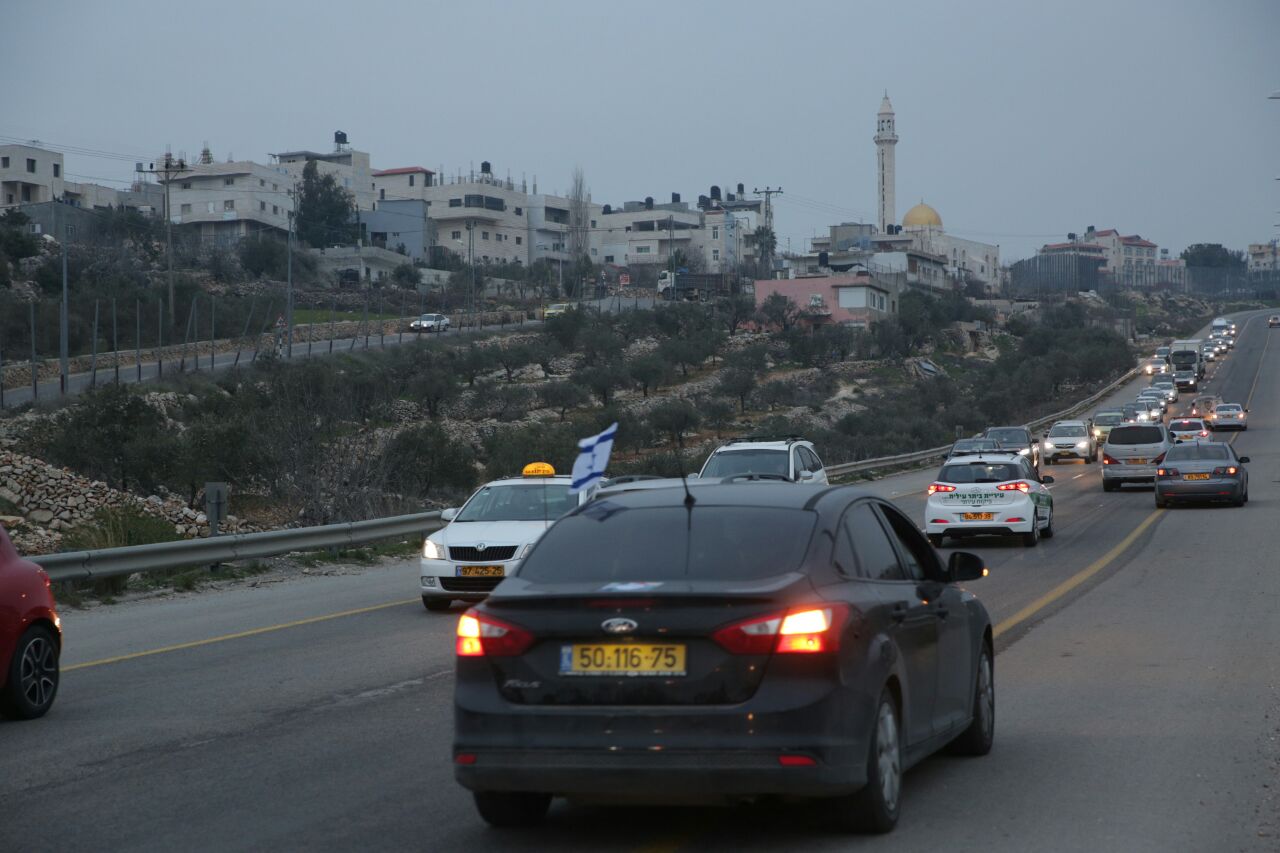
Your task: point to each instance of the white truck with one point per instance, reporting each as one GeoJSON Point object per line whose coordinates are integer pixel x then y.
{"type": "Point", "coordinates": [1187, 355]}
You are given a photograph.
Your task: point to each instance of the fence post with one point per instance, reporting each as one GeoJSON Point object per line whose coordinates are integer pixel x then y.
{"type": "Point", "coordinates": [115, 338]}
{"type": "Point", "coordinates": [382, 327]}
{"type": "Point", "coordinates": [35, 378]}
{"type": "Point", "coordinates": [365, 321]}
{"type": "Point", "coordinates": [333, 305]}
{"type": "Point", "coordinates": [93, 359]}
{"type": "Point", "coordinates": [137, 336]}
{"type": "Point", "coordinates": [258, 341]}
{"type": "Point", "coordinates": [253, 303]}
{"type": "Point", "coordinates": [213, 334]}
{"type": "Point", "coordinates": [159, 339]}
{"type": "Point", "coordinates": [400, 320]}
{"type": "Point", "coordinates": [186, 337]}
{"type": "Point", "coordinates": [1, 367]}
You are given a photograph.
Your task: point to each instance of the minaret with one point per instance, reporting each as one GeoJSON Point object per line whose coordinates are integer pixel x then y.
{"type": "Point", "coordinates": [885, 139]}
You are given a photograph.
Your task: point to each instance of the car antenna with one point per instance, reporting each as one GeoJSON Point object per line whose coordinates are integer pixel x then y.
{"type": "Point", "coordinates": [689, 499]}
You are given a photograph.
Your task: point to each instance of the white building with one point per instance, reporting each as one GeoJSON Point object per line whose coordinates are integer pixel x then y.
{"type": "Point", "coordinates": [349, 167]}
{"type": "Point", "coordinates": [965, 259]}
{"type": "Point", "coordinates": [225, 202]}
{"type": "Point", "coordinates": [33, 175]}
{"type": "Point", "coordinates": [1264, 257]}
{"type": "Point", "coordinates": [886, 138]}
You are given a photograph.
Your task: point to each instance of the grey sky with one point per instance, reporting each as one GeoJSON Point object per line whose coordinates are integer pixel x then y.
{"type": "Point", "coordinates": [1018, 121]}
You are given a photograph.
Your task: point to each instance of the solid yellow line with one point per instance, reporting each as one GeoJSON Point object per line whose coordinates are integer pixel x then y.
{"type": "Point", "coordinates": [253, 632]}
{"type": "Point", "coordinates": [1075, 580]}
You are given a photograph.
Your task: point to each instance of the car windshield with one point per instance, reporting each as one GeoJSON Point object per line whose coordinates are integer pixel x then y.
{"type": "Point", "coordinates": [533, 501]}
{"type": "Point", "coordinates": [1192, 452]}
{"type": "Point", "coordinates": [1108, 418]}
{"type": "Point", "coordinates": [1072, 431]}
{"type": "Point", "coordinates": [1186, 425]}
{"type": "Point", "coordinates": [1136, 435]}
{"type": "Point", "coordinates": [1162, 352]}
{"type": "Point", "coordinates": [728, 463]}
{"type": "Point", "coordinates": [974, 445]}
{"type": "Point", "coordinates": [1009, 435]}
{"type": "Point", "coordinates": [1229, 407]}
{"type": "Point", "coordinates": [609, 542]}
{"type": "Point", "coordinates": [980, 472]}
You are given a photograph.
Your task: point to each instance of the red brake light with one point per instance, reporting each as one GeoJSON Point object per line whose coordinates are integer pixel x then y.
{"type": "Point", "coordinates": [1020, 486]}
{"type": "Point", "coordinates": [1158, 459]}
{"type": "Point", "coordinates": [1229, 470]}
{"type": "Point", "coordinates": [791, 760]}
{"type": "Point", "coordinates": [940, 487]}
{"type": "Point", "coordinates": [480, 634]}
{"type": "Point", "coordinates": [1108, 459]}
{"type": "Point", "coordinates": [800, 630]}
{"type": "Point", "coordinates": [1166, 472]}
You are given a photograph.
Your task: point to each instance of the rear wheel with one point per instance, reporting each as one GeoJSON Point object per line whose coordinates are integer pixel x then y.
{"type": "Point", "coordinates": [1239, 501]}
{"type": "Point", "coordinates": [1161, 503]}
{"type": "Point", "coordinates": [33, 675]}
{"type": "Point", "coordinates": [935, 539]}
{"type": "Point", "coordinates": [436, 605]}
{"type": "Point", "coordinates": [875, 808]}
{"type": "Point", "coordinates": [512, 808]}
{"type": "Point", "coordinates": [978, 738]}
{"type": "Point", "coordinates": [1032, 538]}
{"type": "Point", "coordinates": [1108, 486]}
{"type": "Point", "coordinates": [1047, 533]}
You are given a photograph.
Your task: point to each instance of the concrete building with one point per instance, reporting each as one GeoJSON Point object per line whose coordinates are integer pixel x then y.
{"type": "Point", "coordinates": [406, 182]}
{"type": "Point", "coordinates": [859, 298]}
{"type": "Point", "coordinates": [645, 232]}
{"type": "Point", "coordinates": [1129, 260]}
{"type": "Point", "coordinates": [370, 263]}
{"type": "Point", "coordinates": [348, 166]}
{"type": "Point", "coordinates": [33, 175]}
{"type": "Point", "coordinates": [225, 202]}
{"type": "Point", "coordinates": [966, 259]}
{"type": "Point", "coordinates": [1264, 257]}
{"type": "Point", "coordinates": [402, 226]}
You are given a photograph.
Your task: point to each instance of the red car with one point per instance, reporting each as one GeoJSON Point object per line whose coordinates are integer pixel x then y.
{"type": "Point", "coordinates": [30, 636]}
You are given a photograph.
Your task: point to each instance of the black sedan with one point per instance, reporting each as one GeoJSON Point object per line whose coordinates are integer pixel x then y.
{"type": "Point", "coordinates": [745, 640]}
{"type": "Point", "coordinates": [1202, 471]}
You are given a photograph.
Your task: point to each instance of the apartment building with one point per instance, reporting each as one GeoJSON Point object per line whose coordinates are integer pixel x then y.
{"type": "Point", "coordinates": [406, 182]}
{"type": "Point", "coordinates": [224, 202]}
{"type": "Point", "coordinates": [1264, 257]}
{"type": "Point", "coordinates": [349, 167]}
{"type": "Point", "coordinates": [403, 226]}
{"type": "Point", "coordinates": [645, 232]}
{"type": "Point", "coordinates": [29, 175]}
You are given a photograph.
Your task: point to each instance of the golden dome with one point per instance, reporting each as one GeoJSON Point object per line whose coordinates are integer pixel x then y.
{"type": "Point", "coordinates": [922, 215]}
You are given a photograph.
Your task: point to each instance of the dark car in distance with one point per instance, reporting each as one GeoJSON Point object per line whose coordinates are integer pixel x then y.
{"type": "Point", "coordinates": [1016, 439]}
{"type": "Point", "coordinates": [751, 639]}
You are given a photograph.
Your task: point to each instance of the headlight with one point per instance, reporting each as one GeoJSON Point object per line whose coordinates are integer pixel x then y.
{"type": "Point", "coordinates": [1026, 451]}
{"type": "Point", "coordinates": [524, 552]}
{"type": "Point", "coordinates": [431, 551]}
{"type": "Point", "coordinates": [1097, 433]}
{"type": "Point", "coordinates": [1048, 445]}
{"type": "Point", "coordinates": [1081, 445]}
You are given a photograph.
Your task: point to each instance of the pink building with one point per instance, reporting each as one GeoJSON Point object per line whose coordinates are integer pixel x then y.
{"type": "Point", "coordinates": [855, 299]}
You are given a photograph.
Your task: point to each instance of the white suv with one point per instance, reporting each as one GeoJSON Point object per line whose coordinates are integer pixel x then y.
{"type": "Point", "coordinates": [788, 457]}
{"type": "Point", "coordinates": [1132, 454]}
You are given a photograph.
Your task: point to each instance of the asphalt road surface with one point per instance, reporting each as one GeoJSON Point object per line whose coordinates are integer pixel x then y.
{"type": "Point", "coordinates": [1138, 702]}
{"type": "Point", "coordinates": [199, 358]}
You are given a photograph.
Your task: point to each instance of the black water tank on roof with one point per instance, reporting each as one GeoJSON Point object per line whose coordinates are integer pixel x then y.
{"type": "Point", "coordinates": [715, 193]}
{"type": "Point", "coordinates": [648, 202]}
{"type": "Point", "coordinates": [675, 198]}
{"type": "Point", "coordinates": [485, 168]}
{"type": "Point", "coordinates": [741, 190]}
{"type": "Point", "coordinates": [608, 209]}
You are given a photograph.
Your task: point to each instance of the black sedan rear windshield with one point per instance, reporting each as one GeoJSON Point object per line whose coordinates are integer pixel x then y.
{"type": "Point", "coordinates": [1135, 435]}
{"type": "Point", "coordinates": [1009, 435]}
{"type": "Point", "coordinates": [607, 542]}
{"type": "Point", "coordinates": [1186, 425]}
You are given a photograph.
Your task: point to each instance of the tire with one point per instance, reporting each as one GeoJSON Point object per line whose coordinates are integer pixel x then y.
{"type": "Point", "coordinates": [1049, 462]}
{"type": "Point", "coordinates": [1161, 503]}
{"type": "Point", "coordinates": [1108, 486]}
{"type": "Point", "coordinates": [436, 605]}
{"type": "Point", "coordinates": [875, 808]}
{"type": "Point", "coordinates": [510, 809]}
{"type": "Point", "coordinates": [1032, 538]}
{"type": "Point", "coordinates": [1047, 533]}
{"type": "Point", "coordinates": [981, 734]}
{"type": "Point", "coordinates": [33, 675]}
{"type": "Point", "coordinates": [1238, 501]}
{"type": "Point", "coordinates": [935, 539]}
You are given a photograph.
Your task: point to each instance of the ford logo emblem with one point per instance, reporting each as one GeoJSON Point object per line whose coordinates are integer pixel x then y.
{"type": "Point", "coordinates": [619, 626]}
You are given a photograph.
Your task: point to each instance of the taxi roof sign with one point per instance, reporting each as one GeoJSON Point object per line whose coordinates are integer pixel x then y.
{"type": "Point", "coordinates": [538, 469]}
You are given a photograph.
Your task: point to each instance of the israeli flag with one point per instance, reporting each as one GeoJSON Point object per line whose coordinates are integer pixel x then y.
{"type": "Point", "coordinates": [593, 458]}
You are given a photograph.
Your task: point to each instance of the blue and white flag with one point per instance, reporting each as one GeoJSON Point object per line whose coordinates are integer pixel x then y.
{"type": "Point", "coordinates": [593, 458]}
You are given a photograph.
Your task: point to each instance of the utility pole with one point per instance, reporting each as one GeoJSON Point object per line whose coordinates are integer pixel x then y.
{"type": "Point", "coordinates": [62, 323]}
{"type": "Point", "coordinates": [169, 169]}
{"type": "Point", "coordinates": [288, 309]}
{"type": "Point", "coordinates": [768, 193]}
{"type": "Point", "coordinates": [471, 262]}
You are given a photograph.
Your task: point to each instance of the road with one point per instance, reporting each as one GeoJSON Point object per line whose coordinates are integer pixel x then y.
{"type": "Point", "coordinates": [200, 357]}
{"type": "Point", "coordinates": [1138, 702]}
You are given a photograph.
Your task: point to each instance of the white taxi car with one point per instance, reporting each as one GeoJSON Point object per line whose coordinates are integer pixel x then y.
{"type": "Point", "coordinates": [995, 494]}
{"type": "Point", "coordinates": [487, 538]}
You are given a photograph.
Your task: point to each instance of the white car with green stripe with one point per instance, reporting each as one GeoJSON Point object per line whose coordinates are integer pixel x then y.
{"type": "Point", "coordinates": [993, 494]}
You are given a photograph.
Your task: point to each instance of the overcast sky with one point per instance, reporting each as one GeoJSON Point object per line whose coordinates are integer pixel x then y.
{"type": "Point", "coordinates": [1018, 121]}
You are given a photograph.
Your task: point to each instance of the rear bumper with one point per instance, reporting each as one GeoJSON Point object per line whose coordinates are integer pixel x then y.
{"type": "Point", "coordinates": [1200, 490]}
{"type": "Point", "coordinates": [1129, 473]}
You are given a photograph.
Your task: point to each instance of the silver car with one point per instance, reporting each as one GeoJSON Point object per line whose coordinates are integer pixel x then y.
{"type": "Point", "coordinates": [1069, 440]}
{"type": "Point", "coordinates": [1202, 471]}
{"type": "Point", "coordinates": [1132, 454]}
{"type": "Point", "coordinates": [1166, 385]}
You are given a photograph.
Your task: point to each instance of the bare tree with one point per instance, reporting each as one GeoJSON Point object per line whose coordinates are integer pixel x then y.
{"type": "Point", "coordinates": [579, 214]}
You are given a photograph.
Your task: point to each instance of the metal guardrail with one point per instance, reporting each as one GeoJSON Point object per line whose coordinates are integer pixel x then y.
{"type": "Point", "coordinates": [937, 452]}
{"type": "Point", "coordinates": [114, 562]}
{"type": "Point", "coordinates": [160, 556]}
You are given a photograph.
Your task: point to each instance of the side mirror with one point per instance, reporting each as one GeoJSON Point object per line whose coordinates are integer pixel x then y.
{"type": "Point", "coordinates": [692, 476]}
{"type": "Point", "coordinates": [806, 477]}
{"type": "Point", "coordinates": [1047, 479]}
{"type": "Point", "coordinates": [449, 514]}
{"type": "Point", "coordinates": [1243, 459]}
{"type": "Point", "coordinates": [964, 566]}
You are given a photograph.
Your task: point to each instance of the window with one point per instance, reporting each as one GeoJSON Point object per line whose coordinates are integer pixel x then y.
{"type": "Point", "coordinates": [26, 193]}
{"type": "Point", "coordinates": [715, 254]}
{"type": "Point", "coordinates": [519, 240]}
{"type": "Point", "coordinates": [229, 204]}
{"type": "Point", "coordinates": [715, 233]}
{"type": "Point", "coordinates": [186, 208]}
{"type": "Point", "coordinates": [411, 180]}
{"type": "Point", "coordinates": [519, 211]}
{"type": "Point", "coordinates": [57, 170]}
{"type": "Point", "coordinates": [876, 558]}
{"type": "Point", "coordinates": [918, 558]}
{"type": "Point", "coordinates": [593, 250]}
{"type": "Point", "coordinates": [484, 235]}
{"type": "Point", "coordinates": [456, 235]}
{"type": "Point", "coordinates": [382, 195]}
{"type": "Point", "coordinates": [31, 165]}
{"type": "Point", "coordinates": [608, 259]}
{"type": "Point", "coordinates": [262, 182]}
{"type": "Point", "coordinates": [643, 250]}
{"type": "Point", "coordinates": [275, 209]}
{"type": "Point", "coordinates": [209, 207]}
{"type": "Point", "coordinates": [4, 162]}
{"type": "Point", "coordinates": [275, 187]}
{"type": "Point", "coordinates": [228, 182]}
{"type": "Point", "coordinates": [186, 185]}
{"type": "Point", "coordinates": [262, 205]}
{"type": "Point", "coordinates": [455, 202]}
{"type": "Point", "coordinates": [593, 223]}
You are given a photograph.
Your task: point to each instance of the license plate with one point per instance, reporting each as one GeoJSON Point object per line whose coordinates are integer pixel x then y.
{"type": "Point", "coordinates": [630, 659]}
{"type": "Point", "coordinates": [1133, 462]}
{"type": "Point", "coordinates": [977, 516]}
{"type": "Point", "coordinates": [1195, 476]}
{"type": "Point", "coordinates": [480, 571]}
